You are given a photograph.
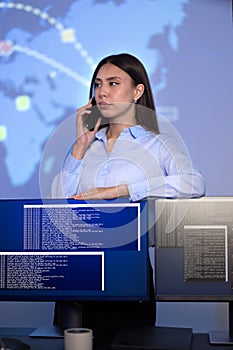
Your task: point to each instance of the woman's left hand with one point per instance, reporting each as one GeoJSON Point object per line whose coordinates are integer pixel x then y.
{"type": "Point", "coordinates": [103, 193]}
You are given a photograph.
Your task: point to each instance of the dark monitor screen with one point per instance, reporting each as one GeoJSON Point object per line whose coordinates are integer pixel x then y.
{"type": "Point", "coordinates": [193, 249]}
{"type": "Point", "coordinates": [70, 250]}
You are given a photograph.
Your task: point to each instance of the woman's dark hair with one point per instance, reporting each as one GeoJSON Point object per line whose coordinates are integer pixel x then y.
{"type": "Point", "coordinates": [145, 117]}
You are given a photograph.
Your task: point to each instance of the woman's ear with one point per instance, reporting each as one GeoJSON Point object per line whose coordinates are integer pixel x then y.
{"type": "Point", "coordinates": [139, 90]}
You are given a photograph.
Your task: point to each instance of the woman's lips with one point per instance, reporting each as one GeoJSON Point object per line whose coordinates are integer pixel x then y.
{"type": "Point", "coordinates": [104, 105]}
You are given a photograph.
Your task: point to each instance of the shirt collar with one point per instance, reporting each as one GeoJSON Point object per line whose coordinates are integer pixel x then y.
{"type": "Point", "coordinates": [135, 131]}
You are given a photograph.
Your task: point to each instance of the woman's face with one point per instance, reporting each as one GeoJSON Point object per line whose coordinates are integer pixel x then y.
{"type": "Point", "coordinates": [115, 93]}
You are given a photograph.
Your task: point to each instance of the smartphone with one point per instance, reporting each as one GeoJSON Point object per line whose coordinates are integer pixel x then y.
{"type": "Point", "coordinates": [90, 120]}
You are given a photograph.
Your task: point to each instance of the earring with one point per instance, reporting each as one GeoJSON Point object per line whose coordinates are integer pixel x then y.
{"type": "Point", "coordinates": [135, 100]}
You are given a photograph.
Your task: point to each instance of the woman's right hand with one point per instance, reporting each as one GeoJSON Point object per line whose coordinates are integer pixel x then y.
{"type": "Point", "coordinates": [83, 135]}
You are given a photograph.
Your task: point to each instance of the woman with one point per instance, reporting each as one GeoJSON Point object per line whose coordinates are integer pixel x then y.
{"type": "Point", "coordinates": [124, 155]}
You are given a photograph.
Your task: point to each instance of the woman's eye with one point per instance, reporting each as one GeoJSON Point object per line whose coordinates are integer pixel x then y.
{"type": "Point", "coordinates": [113, 83]}
{"type": "Point", "coordinates": [97, 85]}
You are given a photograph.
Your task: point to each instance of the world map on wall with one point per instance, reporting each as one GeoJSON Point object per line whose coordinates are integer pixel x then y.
{"type": "Point", "coordinates": [48, 50]}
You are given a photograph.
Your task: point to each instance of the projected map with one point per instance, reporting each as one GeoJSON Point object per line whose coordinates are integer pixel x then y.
{"type": "Point", "coordinates": [48, 50]}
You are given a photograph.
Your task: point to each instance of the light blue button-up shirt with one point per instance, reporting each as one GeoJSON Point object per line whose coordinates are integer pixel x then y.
{"type": "Point", "coordinates": [150, 164]}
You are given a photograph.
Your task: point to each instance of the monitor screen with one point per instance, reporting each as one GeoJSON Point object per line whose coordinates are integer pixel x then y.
{"type": "Point", "coordinates": [193, 249]}
{"type": "Point", "coordinates": [70, 250]}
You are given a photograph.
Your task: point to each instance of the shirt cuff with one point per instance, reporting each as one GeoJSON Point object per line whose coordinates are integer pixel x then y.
{"type": "Point", "coordinates": [138, 191]}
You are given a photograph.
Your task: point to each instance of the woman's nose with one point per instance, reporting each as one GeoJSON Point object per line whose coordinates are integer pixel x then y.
{"type": "Point", "coordinates": [102, 90]}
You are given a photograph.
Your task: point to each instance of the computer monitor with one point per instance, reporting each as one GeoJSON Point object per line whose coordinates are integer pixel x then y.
{"type": "Point", "coordinates": [193, 252]}
{"type": "Point", "coordinates": [53, 250]}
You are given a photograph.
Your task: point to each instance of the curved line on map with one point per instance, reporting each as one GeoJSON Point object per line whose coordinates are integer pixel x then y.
{"type": "Point", "coordinates": [53, 22]}
{"type": "Point", "coordinates": [52, 62]}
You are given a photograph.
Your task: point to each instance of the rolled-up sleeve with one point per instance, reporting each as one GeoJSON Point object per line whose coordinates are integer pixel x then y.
{"type": "Point", "coordinates": [66, 181]}
{"type": "Point", "coordinates": [178, 177]}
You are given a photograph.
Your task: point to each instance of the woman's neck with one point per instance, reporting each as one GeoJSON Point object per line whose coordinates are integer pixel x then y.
{"type": "Point", "coordinates": [120, 122]}
{"type": "Point", "coordinates": [113, 134]}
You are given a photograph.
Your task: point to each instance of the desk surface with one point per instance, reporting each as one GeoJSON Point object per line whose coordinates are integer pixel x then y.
{"type": "Point", "coordinates": [199, 341]}
{"type": "Point", "coordinates": [45, 343]}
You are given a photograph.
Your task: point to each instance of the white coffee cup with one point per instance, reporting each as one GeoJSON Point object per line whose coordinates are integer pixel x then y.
{"type": "Point", "coordinates": [78, 339]}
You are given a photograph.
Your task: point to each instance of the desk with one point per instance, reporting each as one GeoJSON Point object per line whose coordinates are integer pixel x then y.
{"type": "Point", "coordinates": [43, 343]}
{"type": "Point", "coordinates": [22, 334]}
{"type": "Point", "coordinates": [199, 341]}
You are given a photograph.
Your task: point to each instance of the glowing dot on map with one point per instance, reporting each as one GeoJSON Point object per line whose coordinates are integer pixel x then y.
{"type": "Point", "coordinates": [53, 74]}
{"type": "Point", "coordinates": [3, 133]}
{"type": "Point", "coordinates": [68, 35]}
{"type": "Point", "coordinates": [78, 46]}
{"type": "Point", "coordinates": [6, 48]}
{"type": "Point", "coordinates": [23, 103]}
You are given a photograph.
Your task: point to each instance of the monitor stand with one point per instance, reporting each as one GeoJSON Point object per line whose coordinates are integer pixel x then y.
{"type": "Point", "coordinates": [223, 337]}
{"type": "Point", "coordinates": [67, 315]}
